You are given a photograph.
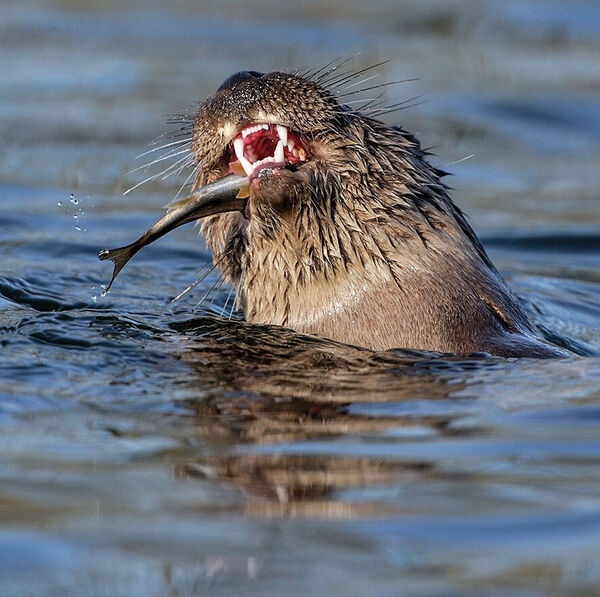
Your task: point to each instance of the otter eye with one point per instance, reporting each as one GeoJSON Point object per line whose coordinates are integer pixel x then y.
{"type": "Point", "coordinates": [243, 75]}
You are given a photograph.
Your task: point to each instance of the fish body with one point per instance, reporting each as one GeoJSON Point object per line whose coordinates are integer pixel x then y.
{"type": "Point", "coordinates": [223, 195]}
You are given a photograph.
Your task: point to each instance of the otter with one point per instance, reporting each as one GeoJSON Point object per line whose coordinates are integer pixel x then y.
{"type": "Point", "coordinates": [343, 228]}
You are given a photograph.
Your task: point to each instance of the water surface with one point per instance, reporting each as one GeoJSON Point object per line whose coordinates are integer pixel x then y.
{"type": "Point", "coordinates": [151, 447]}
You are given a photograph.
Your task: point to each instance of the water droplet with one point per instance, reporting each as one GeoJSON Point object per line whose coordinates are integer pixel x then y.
{"type": "Point", "coordinates": [78, 227]}
{"type": "Point", "coordinates": [59, 204]}
{"type": "Point", "coordinates": [94, 298]}
{"type": "Point", "coordinates": [73, 200]}
{"type": "Point", "coordinates": [74, 216]}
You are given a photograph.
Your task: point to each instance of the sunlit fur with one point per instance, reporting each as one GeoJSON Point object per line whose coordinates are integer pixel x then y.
{"type": "Point", "coordinates": [361, 243]}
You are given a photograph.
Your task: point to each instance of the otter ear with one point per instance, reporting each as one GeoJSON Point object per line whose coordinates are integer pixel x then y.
{"type": "Point", "coordinates": [243, 75]}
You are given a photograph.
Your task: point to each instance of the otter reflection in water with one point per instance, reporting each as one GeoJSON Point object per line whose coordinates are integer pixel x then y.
{"type": "Point", "coordinates": [263, 388]}
{"type": "Point", "coordinates": [330, 222]}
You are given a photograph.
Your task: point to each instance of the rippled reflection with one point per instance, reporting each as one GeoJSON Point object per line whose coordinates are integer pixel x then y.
{"type": "Point", "coordinates": [272, 386]}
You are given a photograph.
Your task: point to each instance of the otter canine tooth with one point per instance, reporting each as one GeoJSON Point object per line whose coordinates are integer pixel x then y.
{"type": "Point", "coordinates": [278, 155]}
{"type": "Point", "coordinates": [246, 165]}
{"type": "Point", "coordinates": [283, 133]}
{"type": "Point", "coordinates": [238, 145]}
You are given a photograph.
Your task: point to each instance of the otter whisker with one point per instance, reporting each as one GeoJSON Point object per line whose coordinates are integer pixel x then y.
{"type": "Point", "coordinates": [468, 157]}
{"type": "Point", "coordinates": [237, 293]}
{"type": "Point", "coordinates": [311, 72]}
{"type": "Point", "coordinates": [372, 103]}
{"type": "Point", "coordinates": [139, 184]}
{"type": "Point", "coordinates": [180, 131]}
{"type": "Point", "coordinates": [189, 162]}
{"type": "Point", "coordinates": [187, 120]}
{"type": "Point", "coordinates": [169, 171]}
{"type": "Point", "coordinates": [397, 107]}
{"type": "Point", "coordinates": [174, 167]}
{"type": "Point", "coordinates": [360, 101]}
{"type": "Point", "coordinates": [388, 84]}
{"type": "Point", "coordinates": [303, 71]}
{"type": "Point", "coordinates": [168, 156]}
{"type": "Point", "coordinates": [366, 106]}
{"type": "Point", "coordinates": [185, 183]}
{"type": "Point", "coordinates": [183, 166]}
{"type": "Point", "coordinates": [332, 74]}
{"type": "Point", "coordinates": [349, 76]}
{"type": "Point", "coordinates": [179, 149]}
{"type": "Point", "coordinates": [403, 103]}
{"type": "Point", "coordinates": [218, 282]}
{"type": "Point", "coordinates": [359, 82]}
{"type": "Point", "coordinates": [222, 282]}
{"type": "Point", "coordinates": [168, 137]}
{"type": "Point", "coordinates": [184, 133]}
{"type": "Point", "coordinates": [178, 142]}
{"type": "Point", "coordinates": [209, 267]}
{"type": "Point", "coordinates": [318, 76]}
{"type": "Point", "coordinates": [226, 301]}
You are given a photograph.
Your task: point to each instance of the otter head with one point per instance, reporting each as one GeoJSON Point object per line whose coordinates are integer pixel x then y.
{"type": "Point", "coordinates": [275, 129]}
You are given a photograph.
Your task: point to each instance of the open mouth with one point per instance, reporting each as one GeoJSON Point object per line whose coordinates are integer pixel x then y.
{"type": "Point", "coordinates": [261, 146]}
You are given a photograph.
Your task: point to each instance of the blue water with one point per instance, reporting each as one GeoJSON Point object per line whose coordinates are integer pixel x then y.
{"type": "Point", "coordinates": [154, 447]}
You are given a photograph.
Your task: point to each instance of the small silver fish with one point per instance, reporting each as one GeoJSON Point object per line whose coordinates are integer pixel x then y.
{"type": "Point", "coordinates": [226, 194]}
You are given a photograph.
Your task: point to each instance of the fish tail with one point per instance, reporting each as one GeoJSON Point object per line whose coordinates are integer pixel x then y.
{"type": "Point", "coordinates": [119, 257]}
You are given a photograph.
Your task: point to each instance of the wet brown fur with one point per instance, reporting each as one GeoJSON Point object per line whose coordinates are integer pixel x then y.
{"type": "Point", "coordinates": [361, 243]}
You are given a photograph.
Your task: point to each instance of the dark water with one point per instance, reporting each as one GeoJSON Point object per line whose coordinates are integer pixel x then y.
{"type": "Point", "coordinates": [157, 448]}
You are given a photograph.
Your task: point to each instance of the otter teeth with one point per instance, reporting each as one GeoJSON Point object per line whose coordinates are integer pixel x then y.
{"type": "Point", "coordinates": [278, 155]}
{"type": "Point", "coordinates": [238, 145]}
{"type": "Point", "coordinates": [277, 158]}
{"type": "Point", "coordinates": [244, 149]}
{"type": "Point", "coordinates": [253, 129]}
{"type": "Point", "coordinates": [283, 135]}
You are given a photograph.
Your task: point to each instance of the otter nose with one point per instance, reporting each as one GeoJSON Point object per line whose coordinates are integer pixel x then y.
{"type": "Point", "coordinates": [243, 75]}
